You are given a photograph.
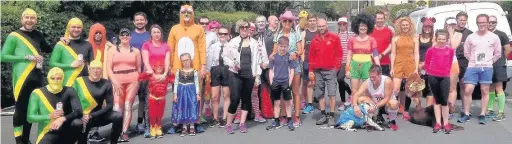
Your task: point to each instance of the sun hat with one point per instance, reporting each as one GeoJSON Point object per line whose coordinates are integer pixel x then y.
{"type": "Point", "coordinates": [288, 15]}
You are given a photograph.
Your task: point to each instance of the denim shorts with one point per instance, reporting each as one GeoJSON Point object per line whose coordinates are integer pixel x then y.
{"type": "Point", "coordinates": [298, 66]}
{"type": "Point", "coordinates": [475, 75]}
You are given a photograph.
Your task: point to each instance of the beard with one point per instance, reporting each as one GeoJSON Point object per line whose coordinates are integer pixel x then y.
{"type": "Point", "coordinates": [28, 27]}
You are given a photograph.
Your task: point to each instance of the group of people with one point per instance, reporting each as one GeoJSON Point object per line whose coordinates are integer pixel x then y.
{"type": "Point", "coordinates": [263, 70]}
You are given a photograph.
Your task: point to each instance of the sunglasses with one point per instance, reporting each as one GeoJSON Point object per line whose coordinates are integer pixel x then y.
{"type": "Point", "coordinates": [204, 23]}
{"type": "Point", "coordinates": [223, 34]}
{"type": "Point", "coordinates": [342, 24]}
{"type": "Point", "coordinates": [244, 27]}
{"type": "Point", "coordinates": [493, 22]}
{"type": "Point", "coordinates": [124, 35]}
{"type": "Point", "coordinates": [287, 21]}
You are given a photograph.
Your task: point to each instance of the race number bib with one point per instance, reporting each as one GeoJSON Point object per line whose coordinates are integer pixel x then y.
{"type": "Point", "coordinates": [378, 97]}
{"type": "Point", "coordinates": [480, 56]}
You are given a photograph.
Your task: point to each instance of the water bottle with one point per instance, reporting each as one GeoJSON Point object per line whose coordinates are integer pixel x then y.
{"type": "Point", "coordinates": [80, 57]}
{"type": "Point", "coordinates": [39, 65]}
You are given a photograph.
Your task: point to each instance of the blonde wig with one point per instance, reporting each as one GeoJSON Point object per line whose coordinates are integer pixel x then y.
{"type": "Point", "coordinates": [398, 28]}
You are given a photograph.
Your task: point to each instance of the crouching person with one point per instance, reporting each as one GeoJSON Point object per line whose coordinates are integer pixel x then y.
{"type": "Point", "coordinates": [380, 90]}
{"type": "Point", "coordinates": [57, 111]}
{"type": "Point", "coordinates": [92, 91]}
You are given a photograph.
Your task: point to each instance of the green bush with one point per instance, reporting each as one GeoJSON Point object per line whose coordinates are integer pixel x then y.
{"type": "Point", "coordinates": [402, 9]}
{"type": "Point", "coordinates": [228, 18]}
{"type": "Point", "coordinates": [372, 10]}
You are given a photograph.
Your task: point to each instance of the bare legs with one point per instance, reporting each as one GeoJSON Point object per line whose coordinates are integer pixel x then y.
{"type": "Point", "coordinates": [216, 99]}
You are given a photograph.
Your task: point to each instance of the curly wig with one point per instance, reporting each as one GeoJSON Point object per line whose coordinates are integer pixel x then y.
{"type": "Point", "coordinates": [363, 18]}
{"type": "Point", "coordinates": [398, 29]}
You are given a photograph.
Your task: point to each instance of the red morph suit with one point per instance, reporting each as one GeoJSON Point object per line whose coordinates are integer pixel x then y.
{"type": "Point", "coordinates": [156, 99]}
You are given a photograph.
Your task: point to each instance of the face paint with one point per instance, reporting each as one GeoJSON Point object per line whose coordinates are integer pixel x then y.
{"type": "Point", "coordinates": [55, 78]}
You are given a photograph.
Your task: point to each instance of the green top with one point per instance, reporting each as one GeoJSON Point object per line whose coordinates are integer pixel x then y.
{"type": "Point", "coordinates": [63, 55]}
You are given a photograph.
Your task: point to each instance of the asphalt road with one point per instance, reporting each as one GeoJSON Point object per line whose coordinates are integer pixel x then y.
{"type": "Point", "coordinates": [309, 133]}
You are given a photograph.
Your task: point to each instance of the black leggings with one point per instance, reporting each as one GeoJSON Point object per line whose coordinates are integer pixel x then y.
{"type": "Point", "coordinates": [440, 88]}
{"type": "Point", "coordinates": [68, 133]}
{"type": "Point", "coordinates": [342, 87]}
{"type": "Point", "coordinates": [33, 81]}
{"type": "Point", "coordinates": [142, 94]}
{"type": "Point", "coordinates": [110, 117]}
{"type": "Point", "coordinates": [241, 88]}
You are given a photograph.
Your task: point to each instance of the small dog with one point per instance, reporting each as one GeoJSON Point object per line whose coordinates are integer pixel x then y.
{"type": "Point", "coordinates": [349, 121]}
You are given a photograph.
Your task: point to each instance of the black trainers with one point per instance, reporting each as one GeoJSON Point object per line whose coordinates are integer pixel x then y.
{"type": "Point", "coordinates": [214, 123]}
{"type": "Point", "coordinates": [380, 119]}
{"type": "Point", "coordinates": [275, 125]}
{"type": "Point", "coordinates": [95, 137]}
{"type": "Point", "coordinates": [222, 123]}
{"type": "Point", "coordinates": [330, 121]}
{"type": "Point", "coordinates": [322, 120]}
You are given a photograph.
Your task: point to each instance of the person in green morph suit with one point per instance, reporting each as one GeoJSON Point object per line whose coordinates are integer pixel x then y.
{"type": "Point", "coordinates": [57, 111]}
{"type": "Point", "coordinates": [72, 54]}
{"type": "Point", "coordinates": [22, 48]}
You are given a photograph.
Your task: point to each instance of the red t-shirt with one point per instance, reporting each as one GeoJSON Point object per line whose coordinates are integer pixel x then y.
{"type": "Point", "coordinates": [510, 54]}
{"type": "Point", "coordinates": [383, 38]}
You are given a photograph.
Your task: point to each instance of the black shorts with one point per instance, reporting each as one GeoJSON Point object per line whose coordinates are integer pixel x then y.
{"type": "Point", "coordinates": [385, 70]}
{"type": "Point", "coordinates": [281, 89]}
{"type": "Point", "coordinates": [499, 73]}
{"type": "Point", "coordinates": [219, 76]}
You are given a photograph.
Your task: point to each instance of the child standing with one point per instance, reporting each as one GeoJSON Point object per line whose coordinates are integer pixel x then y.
{"type": "Point", "coordinates": [280, 78]}
{"type": "Point", "coordinates": [186, 96]}
{"type": "Point", "coordinates": [438, 62]}
{"type": "Point", "coordinates": [156, 100]}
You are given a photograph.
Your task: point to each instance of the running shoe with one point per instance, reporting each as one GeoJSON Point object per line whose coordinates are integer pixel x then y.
{"type": "Point", "coordinates": [124, 137]}
{"type": "Point", "coordinates": [437, 127]}
{"type": "Point", "coordinates": [464, 118]}
{"type": "Point", "coordinates": [341, 108]}
{"type": "Point", "coordinates": [482, 120]}
{"type": "Point", "coordinates": [490, 114]}
{"type": "Point", "coordinates": [296, 122]}
{"type": "Point", "coordinates": [283, 121]}
{"type": "Point", "coordinates": [229, 129]}
{"type": "Point", "coordinates": [393, 126]}
{"type": "Point", "coordinates": [96, 137]}
{"type": "Point", "coordinates": [259, 118]}
{"type": "Point", "coordinates": [330, 121]}
{"type": "Point", "coordinates": [405, 116]}
{"type": "Point", "coordinates": [499, 117]}
{"type": "Point", "coordinates": [290, 125]}
{"type": "Point", "coordinates": [203, 120]}
{"type": "Point", "coordinates": [140, 128]}
{"type": "Point", "coordinates": [214, 123]}
{"type": "Point", "coordinates": [170, 131]}
{"type": "Point", "coordinates": [147, 134]}
{"type": "Point", "coordinates": [308, 109]}
{"type": "Point", "coordinates": [222, 123]}
{"type": "Point", "coordinates": [275, 125]}
{"type": "Point", "coordinates": [401, 109]}
{"type": "Point", "coordinates": [243, 128]}
{"type": "Point", "coordinates": [184, 132]}
{"type": "Point", "coordinates": [322, 120]}
{"type": "Point", "coordinates": [380, 119]}
{"type": "Point", "coordinates": [192, 131]}
{"type": "Point", "coordinates": [447, 128]}
{"type": "Point", "coordinates": [199, 128]}
{"type": "Point", "coordinates": [302, 105]}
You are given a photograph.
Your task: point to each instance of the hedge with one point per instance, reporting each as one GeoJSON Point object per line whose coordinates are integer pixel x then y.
{"type": "Point", "coordinates": [228, 18]}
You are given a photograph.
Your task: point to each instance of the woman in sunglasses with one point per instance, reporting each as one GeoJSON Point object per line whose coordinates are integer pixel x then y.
{"type": "Point", "coordinates": [287, 28]}
{"type": "Point", "coordinates": [243, 57]}
{"type": "Point", "coordinates": [124, 65]}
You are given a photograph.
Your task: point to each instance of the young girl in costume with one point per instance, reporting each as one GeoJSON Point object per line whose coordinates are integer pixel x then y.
{"type": "Point", "coordinates": [186, 96]}
{"type": "Point", "coordinates": [156, 100]}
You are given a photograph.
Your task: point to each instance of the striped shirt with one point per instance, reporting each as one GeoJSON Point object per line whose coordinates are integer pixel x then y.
{"type": "Point", "coordinates": [344, 38]}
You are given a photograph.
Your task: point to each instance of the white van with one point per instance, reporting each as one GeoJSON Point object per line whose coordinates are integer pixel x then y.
{"type": "Point", "coordinates": [472, 9]}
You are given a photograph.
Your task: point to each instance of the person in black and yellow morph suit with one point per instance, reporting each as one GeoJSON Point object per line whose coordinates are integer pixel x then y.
{"type": "Point", "coordinates": [73, 54]}
{"type": "Point", "coordinates": [57, 111]}
{"type": "Point", "coordinates": [92, 91]}
{"type": "Point", "coordinates": [23, 49]}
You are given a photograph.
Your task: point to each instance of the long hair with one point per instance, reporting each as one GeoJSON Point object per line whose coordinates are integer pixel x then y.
{"type": "Point", "coordinates": [398, 29]}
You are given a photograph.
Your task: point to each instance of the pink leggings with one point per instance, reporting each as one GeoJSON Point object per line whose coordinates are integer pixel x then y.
{"type": "Point", "coordinates": [123, 102]}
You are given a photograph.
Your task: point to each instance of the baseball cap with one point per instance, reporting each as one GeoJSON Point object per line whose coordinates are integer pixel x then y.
{"type": "Point", "coordinates": [451, 21]}
{"type": "Point", "coordinates": [124, 30]}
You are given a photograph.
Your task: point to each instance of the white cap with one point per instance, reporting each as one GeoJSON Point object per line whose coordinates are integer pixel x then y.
{"type": "Point", "coordinates": [343, 19]}
{"type": "Point", "coordinates": [451, 21]}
